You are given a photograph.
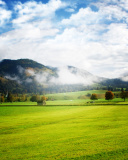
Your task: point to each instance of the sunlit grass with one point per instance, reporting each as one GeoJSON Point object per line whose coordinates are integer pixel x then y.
{"type": "Point", "coordinates": [64, 132]}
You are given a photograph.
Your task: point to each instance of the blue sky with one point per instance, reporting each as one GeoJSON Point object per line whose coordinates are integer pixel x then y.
{"type": "Point", "coordinates": [88, 34]}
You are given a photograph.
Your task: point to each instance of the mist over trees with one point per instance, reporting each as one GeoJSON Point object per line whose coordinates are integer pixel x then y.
{"type": "Point", "coordinates": [27, 76]}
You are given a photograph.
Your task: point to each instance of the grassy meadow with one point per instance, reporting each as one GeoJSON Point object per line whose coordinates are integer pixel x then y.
{"type": "Point", "coordinates": [64, 132]}
{"type": "Point", "coordinates": [66, 128]}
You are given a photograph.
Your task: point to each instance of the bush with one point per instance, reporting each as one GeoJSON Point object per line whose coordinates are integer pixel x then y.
{"type": "Point", "coordinates": [94, 96]}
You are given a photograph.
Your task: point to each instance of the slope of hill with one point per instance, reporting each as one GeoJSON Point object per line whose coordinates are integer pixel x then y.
{"type": "Point", "coordinates": [19, 75]}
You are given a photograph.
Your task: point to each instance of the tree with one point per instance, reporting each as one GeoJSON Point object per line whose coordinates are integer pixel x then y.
{"type": "Point", "coordinates": [38, 99]}
{"type": "Point", "coordinates": [35, 98]}
{"type": "Point", "coordinates": [109, 95]}
{"type": "Point", "coordinates": [10, 97]}
{"type": "Point", "coordinates": [42, 101]}
{"type": "Point", "coordinates": [124, 94]}
{"type": "Point", "coordinates": [94, 96]}
{"type": "Point", "coordinates": [43, 98]}
{"type": "Point", "coordinates": [122, 89]}
{"type": "Point", "coordinates": [23, 98]}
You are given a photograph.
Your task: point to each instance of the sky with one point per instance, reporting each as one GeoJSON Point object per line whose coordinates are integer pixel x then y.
{"type": "Point", "coordinates": [88, 34]}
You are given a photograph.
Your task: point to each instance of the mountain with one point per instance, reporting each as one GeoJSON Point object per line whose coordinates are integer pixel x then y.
{"type": "Point", "coordinates": [16, 67]}
{"type": "Point", "coordinates": [18, 75]}
{"type": "Point", "coordinates": [28, 76]}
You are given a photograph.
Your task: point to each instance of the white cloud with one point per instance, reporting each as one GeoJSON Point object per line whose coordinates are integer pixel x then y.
{"type": "Point", "coordinates": [124, 4]}
{"type": "Point", "coordinates": [34, 11]}
{"type": "Point", "coordinates": [84, 16]}
{"type": "Point", "coordinates": [114, 12]}
{"type": "Point", "coordinates": [121, 3]}
{"type": "Point", "coordinates": [124, 75]}
{"type": "Point", "coordinates": [67, 76]}
{"type": "Point", "coordinates": [2, 2]}
{"type": "Point", "coordinates": [93, 40]}
{"type": "Point", "coordinates": [15, 78]}
{"type": "Point", "coordinates": [125, 78]}
{"type": "Point", "coordinates": [29, 33]}
{"type": "Point", "coordinates": [70, 9]}
{"type": "Point", "coordinates": [117, 34]}
{"type": "Point", "coordinates": [5, 14]}
{"type": "Point", "coordinates": [33, 22]}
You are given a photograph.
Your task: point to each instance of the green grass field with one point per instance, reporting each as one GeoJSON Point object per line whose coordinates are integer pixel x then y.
{"type": "Point", "coordinates": [64, 132]}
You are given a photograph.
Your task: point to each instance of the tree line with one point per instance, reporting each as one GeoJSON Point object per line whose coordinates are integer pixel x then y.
{"type": "Point", "coordinates": [8, 97]}
{"type": "Point", "coordinates": [109, 95]}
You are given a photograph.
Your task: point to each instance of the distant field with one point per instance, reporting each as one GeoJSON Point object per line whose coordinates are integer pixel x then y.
{"type": "Point", "coordinates": [74, 95]}
{"type": "Point", "coordinates": [64, 132]}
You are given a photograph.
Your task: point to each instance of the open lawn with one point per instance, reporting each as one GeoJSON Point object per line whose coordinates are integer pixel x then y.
{"type": "Point", "coordinates": [64, 132]}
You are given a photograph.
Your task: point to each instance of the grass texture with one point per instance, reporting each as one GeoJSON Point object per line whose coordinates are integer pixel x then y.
{"type": "Point", "coordinates": [64, 132]}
